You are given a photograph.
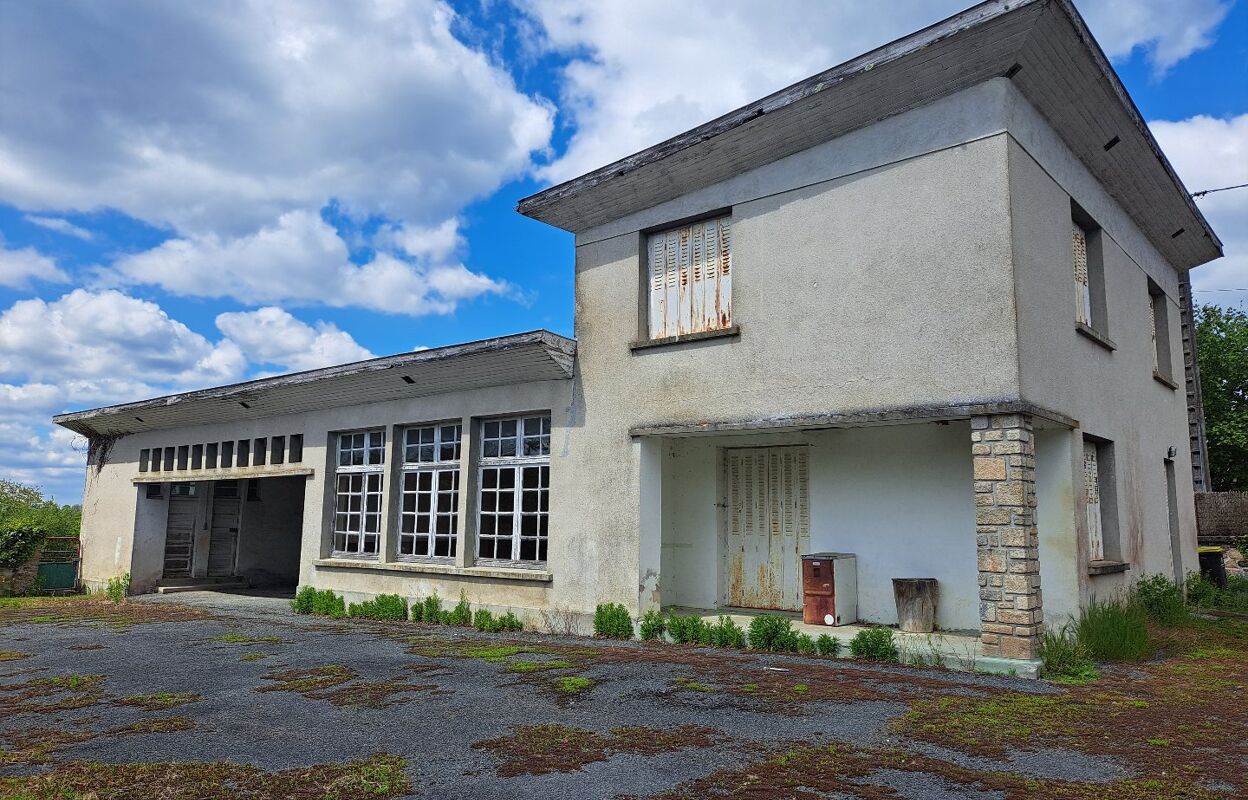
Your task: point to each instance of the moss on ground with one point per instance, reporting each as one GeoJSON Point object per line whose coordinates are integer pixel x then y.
{"type": "Point", "coordinates": [159, 701]}
{"type": "Point", "coordinates": [380, 777]}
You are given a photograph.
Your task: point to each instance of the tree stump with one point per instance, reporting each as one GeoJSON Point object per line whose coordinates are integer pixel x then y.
{"type": "Point", "coordinates": [916, 604]}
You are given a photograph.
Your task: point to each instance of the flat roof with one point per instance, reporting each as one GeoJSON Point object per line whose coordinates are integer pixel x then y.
{"type": "Point", "coordinates": [519, 358]}
{"type": "Point", "coordinates": [1043, 46]}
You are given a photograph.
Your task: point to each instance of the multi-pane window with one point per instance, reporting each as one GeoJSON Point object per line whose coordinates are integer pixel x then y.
{"type": "Point", "coordinates": [358, 487]}
{"type": "Point", "coordinates": [429, 515]}
{"type": "Point", "coordinates": [514, 489]}
{"type": "Point", "coordinates": [690, 278]}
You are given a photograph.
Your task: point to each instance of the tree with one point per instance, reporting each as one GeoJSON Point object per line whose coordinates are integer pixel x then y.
{"type": "Point", "coordinates": [1222, 348]}
{"type": "Point", "coordinates": [25, 506]}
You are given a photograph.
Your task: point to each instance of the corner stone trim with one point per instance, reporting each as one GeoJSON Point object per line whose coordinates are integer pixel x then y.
{"type": "Point", "coordinates": [1010, 609]}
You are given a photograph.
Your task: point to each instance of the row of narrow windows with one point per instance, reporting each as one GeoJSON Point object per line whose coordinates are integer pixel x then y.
{"type": "Point", "coordinates": [224, 455]}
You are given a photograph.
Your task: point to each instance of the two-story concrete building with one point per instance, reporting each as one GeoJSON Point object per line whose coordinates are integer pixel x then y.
{"type": "Point", "coordinates": [922, 308]}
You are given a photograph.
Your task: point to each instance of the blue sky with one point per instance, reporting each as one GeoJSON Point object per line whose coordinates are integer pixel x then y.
{"type": "Point", "coordinates": [195, 194]}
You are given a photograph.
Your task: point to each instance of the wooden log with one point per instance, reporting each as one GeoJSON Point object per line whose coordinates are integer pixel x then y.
{"type": "Point", "coordinates": [916, 604]}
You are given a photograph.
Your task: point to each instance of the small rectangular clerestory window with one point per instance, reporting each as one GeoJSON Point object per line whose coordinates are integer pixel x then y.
{"type": "Point", "coordinates": [689, 278]}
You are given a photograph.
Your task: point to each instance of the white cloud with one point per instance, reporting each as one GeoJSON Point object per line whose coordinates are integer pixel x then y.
{"type": "Point", "coordinates": [19, 267]}
{"type": "Point", "coordinates": [218, 118]}
{"type": "Point", "coordinates": [301, 260]}
{"type": "Point", "coordinates": [643, 71]}
{"type": "Point", "coordinates": [60, 226]}
{"type": "Point", "coordinates": [273, 336]}
{"type": "Point", "coordinates": [1209, 153]}
{"type": "Point", "coordinates": [1167, 31]}
{"type": "Point", "coordinates": [105, 345]}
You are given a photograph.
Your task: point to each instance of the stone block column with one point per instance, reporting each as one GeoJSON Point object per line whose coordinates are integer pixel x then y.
{"type": "Point", "coordinates": [1010, 610]}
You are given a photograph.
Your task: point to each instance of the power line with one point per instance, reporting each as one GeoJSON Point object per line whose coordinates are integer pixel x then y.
{"type": "Point", "coordinates": [1244, 289]}
{"type": "Point", "coordinates": [1204, 192]}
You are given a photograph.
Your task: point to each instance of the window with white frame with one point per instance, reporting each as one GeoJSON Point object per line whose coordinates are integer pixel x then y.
{"type": "Point", "coordinates": [429, 513]}
{"type": "Point", "coordinates": [358, 485]}
{"type": "Point", "coordinates": [690, 278]}
{"type": "Point", "coordinates": [514, 505]}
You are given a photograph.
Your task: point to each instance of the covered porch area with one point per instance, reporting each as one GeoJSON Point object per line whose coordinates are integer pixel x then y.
{"type": "Point", "coordinates": [728, 511]}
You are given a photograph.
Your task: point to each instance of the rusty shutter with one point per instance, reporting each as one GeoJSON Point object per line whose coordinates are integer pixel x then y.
{"type": "Point", "coordinates": [1083, 287]}
{"type": "Point", "coordinates": [1092, 493]}
{"type": "Point", "coordinates": [690, 278]}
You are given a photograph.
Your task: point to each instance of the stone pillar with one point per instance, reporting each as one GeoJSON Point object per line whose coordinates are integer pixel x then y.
{"type": "Point", "coordinates": [1010, 610]}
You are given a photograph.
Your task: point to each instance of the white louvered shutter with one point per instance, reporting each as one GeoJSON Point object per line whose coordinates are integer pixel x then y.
{"type": "Point", "coordinates": [1083, 289]}
{"type": "Point", "coordinates": [1152, 325]}
{"type": "Point", "coordinates": [690, 278]}
{"type": "Point", "coordinates": [1092, 489]}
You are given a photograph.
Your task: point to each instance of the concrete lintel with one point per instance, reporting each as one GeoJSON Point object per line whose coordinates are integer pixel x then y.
{"type": "Point", "coordinates": [490, 572]}
{"type": "Point", "coordinates": [191, 476]}
{"type": "Point", "coordinates": [856, 419]}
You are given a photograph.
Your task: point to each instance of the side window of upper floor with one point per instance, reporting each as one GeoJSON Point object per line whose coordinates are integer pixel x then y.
{"type": "Point", "coordinates": [1159, 319]}
{"type": "Point", "coordinates": [689, 278]}
{"type": "Point", "coordinates": [1087, 252]}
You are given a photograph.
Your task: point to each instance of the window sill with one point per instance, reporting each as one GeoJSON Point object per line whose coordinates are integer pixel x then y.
{"type": "Point", "coordinates": [1091, 333]}
{"type": "Point", "coordinates": [1162, 379]}
{"type": "Point", "coordinates": [430, 568]}
{"type": "Point", "coordinates": [1107, 567]}
{"type": "Point", "coordinates": [732, 331]}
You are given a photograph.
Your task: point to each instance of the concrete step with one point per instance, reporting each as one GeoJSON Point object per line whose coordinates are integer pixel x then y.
{"type": "Point", "coordinates": [202, 586]}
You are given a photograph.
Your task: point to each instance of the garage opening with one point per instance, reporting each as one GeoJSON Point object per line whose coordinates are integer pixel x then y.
{"type": "Point", "coordinates": [236, 533]}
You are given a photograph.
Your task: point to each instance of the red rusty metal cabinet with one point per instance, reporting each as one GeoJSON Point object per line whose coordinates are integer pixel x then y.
{"type": "Point", "coordinates": [829, 589]}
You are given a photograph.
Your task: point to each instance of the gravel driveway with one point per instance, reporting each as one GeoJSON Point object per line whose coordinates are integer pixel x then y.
{"type": "Point", "coordinates": [234, 678]}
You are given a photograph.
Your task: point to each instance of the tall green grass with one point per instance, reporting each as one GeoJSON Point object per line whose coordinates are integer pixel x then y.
{"type": "Point", "coordinates": [1114, 630]}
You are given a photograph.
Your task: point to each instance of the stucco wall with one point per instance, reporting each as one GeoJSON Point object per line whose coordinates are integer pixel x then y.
{"type": "Point", "coordinates": [270, 531]}
{"type": "Point", "coordinates": [898, 497]}
{"type": "Point", "coordinates": [1113, 395]}
{"type": "Point", "coordinates": [122, 532]}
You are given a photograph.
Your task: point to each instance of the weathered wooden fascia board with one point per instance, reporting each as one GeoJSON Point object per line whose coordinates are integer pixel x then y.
{"type": "Point", "coordinates": [192, 475]}
{"type": "Point", "coordinates": [560, 349]}
{"type": "Point", "coordinates": [493, 573]}
{"type": "Point", "coordinates": [1137, 119]}
{"type": "Point", "coordinates": [535, 205]}
{"type": "Point", "coordinates": [886, 416]}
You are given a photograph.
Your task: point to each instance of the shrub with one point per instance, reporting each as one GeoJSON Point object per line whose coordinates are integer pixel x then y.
{"type": "Point", "coordinates": [805, 644]}
{"type": "Point", "coordinates": [773, 634]}
{"type": "Point", "coordinates": [612, 621]}
{"type": "Point", "coordinates": [1203, 594]}
{"type": "Point", "coordinates": [874, 644]}
{"type": "Point", "coordinates": [431, 609]}
{"type": "Point", "coordinates": [1114, 630]}
{"type": "Point", "coordinates": [304, 600]}
{"type": "Point", "coordinates": [483, 620]}
{"type": "Point", "coordinates": [827, 645]}
{"type": "Point", "coordinates": [653, 625]}
{"type": "Point", "coordinates": [19, 543]}
{"type": "Point", "coordinates": [1162, 600]}
{"type": "Point", "coordinates": [384, 606]}
{"type": "Point", "coordinates": [461, 614]}
{"type": "Point", "coordinates": [508, 622]}
{"type": "Point", "coordinates": [1065, 660]}
{"type": "Point", "coordinates": [727, 633]}
{"type": "Point", "coordinates": [688, 630]}
{"type": "Point", "coordinates": [327, 604]}
{"type": "Point", "coordinates": [118, 587]}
